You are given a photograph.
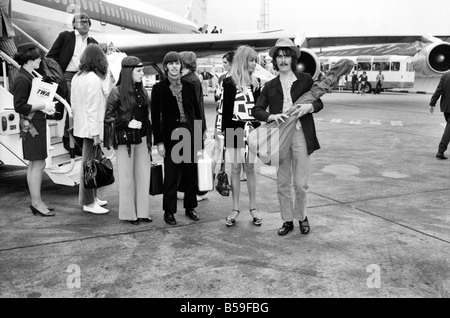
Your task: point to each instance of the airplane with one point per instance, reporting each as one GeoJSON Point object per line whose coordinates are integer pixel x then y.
{"type": "Point", "coordinates": [139, 29]}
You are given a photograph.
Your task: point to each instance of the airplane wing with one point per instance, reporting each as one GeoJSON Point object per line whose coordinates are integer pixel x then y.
{"type": "Point", "coordinates": [151, 48]}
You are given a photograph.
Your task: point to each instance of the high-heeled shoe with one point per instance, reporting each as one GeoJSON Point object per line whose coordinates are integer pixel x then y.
{"type": "Point", "coordinates": [36, 211]}
{"type": "Point", "coordinates": [230, 221]}
{"type": "Point", "coordinates": [256, 220]}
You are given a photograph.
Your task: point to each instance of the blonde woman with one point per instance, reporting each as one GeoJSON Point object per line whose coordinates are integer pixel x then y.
{"type": "Point", "coordinates": [240, 87]}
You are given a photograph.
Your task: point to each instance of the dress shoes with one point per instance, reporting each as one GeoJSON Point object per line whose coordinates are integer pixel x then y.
{"type": "Point", "coordinates": [95, 209]}
{"type": "Point", "coordinates": [440, 155]}
{"type": "Point", "coordinates": [304, 226]}
{"type": "Point", "coordinates": [286, 228]}
{"type": "Point", "coordinates": [169, 218]}
{"type": "Point", "coordinates": [134, 222]}
{"type": "Point", "coordinates": [36, 211]}
{"type": "Point", "coordinates": [191, 213]}
{"type": "Point", "coordinates": [146, 220]}
{"type": "Point", "coordinates": [101, 202]}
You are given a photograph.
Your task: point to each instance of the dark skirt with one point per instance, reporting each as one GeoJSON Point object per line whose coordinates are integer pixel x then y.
{"type": "Point", "coordinates": [35, 148]}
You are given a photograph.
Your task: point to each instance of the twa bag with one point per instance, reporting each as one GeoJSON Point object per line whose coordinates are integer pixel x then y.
{"type": "Point", "coordinates": [156, 178]}
{"type": "Point", "coordinates": [98, 172]}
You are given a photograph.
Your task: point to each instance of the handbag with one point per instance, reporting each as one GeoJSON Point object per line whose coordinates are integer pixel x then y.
{"type": "Point", "coordinates": [128, 136]}
{"type": "Point", "coordinates": [156, 178]}
{"type": "Point", "coordinates": [98, 172]}
{"type": "Point", "coordinates": [223, 185]}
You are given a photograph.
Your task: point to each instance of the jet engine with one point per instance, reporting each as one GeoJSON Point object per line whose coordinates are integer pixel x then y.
{"type": "Point", "coordinates": [433, 60]}
{"type": "Point", "coordinates": [309, 63]}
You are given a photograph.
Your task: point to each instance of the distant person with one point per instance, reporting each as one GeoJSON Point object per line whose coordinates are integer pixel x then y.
{"type": "Point", "coordinates": [242, 85]}
{"type": "Point", "coordinates": [33, 127]}
{"type": "Point", "coordinates": [88, 103]}
{"type": "Point", "coordinates": [214, 30]}
{"type": "Point", "coordinates": [189, 61]}
{"type": "Point", "coordinates": [363, 81]}
{"type": "Point", "coordinates": [220, 31]}
{"type": "Point", "coordinates": [128, 109]}
{"type": "Point", "coordinates": [67, 50]}
{"type": "Point", "coordinates": [443, 92]}
{"type": "Point", "coordinates": [7, 38]}
{"type": "Point", "coordinates": [380, 80]}
{"type": "Point", "coordinates": [354, 81]}
{"type": "Point", "coordinates": [341, 84]}
{"type": "Point", "coordinates": [205, 81]}
{"type": "Point", "coordinates": [279, 95]}
{"type": "Point", "coordinates": [174, 108]}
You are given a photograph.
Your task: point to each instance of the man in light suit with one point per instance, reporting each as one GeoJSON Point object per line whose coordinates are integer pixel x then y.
{"type": "Point", "coordinates": [280, 94]}
{"type": "Point", "coordinates": [443, 92]}
{"type": "Point", "coordinates": [67, 50]}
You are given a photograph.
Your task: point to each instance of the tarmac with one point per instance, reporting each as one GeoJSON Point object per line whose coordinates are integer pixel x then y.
{"type": "Point", "coordinates": [378, 206]}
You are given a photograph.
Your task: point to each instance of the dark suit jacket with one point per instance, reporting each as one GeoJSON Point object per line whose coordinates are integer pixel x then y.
{"type": "Point", "coordinates": [62, 49]}
{"type": "Point", "coordinates": [272, 96]}
{"type": "Point", "coordinates": [166, 115]}
{"type": "Point", "coordinates": [442, 91]}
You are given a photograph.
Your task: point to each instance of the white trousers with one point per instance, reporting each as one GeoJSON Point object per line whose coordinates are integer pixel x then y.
{"type": "Point", "coordinates": [292, 180]}
{"type": "Point", "coordinates": [134, 181]}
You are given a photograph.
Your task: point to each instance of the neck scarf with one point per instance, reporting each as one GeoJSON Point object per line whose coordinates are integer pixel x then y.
{"type": "Point", "coordinates": [176, 88]}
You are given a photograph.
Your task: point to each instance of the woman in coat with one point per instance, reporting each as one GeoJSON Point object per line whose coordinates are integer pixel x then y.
{"type": "Point", "coordinates": [33, 125]}
{"type": "Point", "coordinates": [128, 110]}
{"type": "Point", "coordinates": [88, 104]}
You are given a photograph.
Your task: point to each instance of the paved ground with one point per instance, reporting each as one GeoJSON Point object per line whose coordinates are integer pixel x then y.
{"type": "Point", "coordinates": [378, 207]}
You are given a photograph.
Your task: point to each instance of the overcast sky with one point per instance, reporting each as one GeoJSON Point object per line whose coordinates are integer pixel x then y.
{"type": "Point", "coordinates": [326, 17]}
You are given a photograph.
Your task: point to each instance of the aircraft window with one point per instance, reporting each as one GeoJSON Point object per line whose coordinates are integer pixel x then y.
{"type": "Point", "coordinates": [84, 5]}
{"type": "Point", "coordinates": [395, 66]}
{"type": "Point", "coordinates": [96, 7]}
{"type": "Point", "coordinates": [64, 2]}
{"type": "Point", "coordinates": [107, 10]}
{"type": "Point", "coordinates": [91, 7]}
{"type": "Point", "coordinates": [79, 3]}
{"type": "Point", "coordinates": [102, 9]}
{"type": "Point", "coordinates": [147, 22]}
{"type": "Point", "coordinates": [117, 12]}
{"type": "Point", "coordinates": [121, 14]}
{"type": "Point", "coordinates": [127, 16]}
{"type": "Point", "coordinates": [385, 66]}
{"type": "Point", "coordinates": [376, 66]}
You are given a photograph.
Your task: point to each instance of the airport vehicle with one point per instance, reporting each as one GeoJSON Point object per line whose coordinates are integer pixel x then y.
{"type": "Point", "coordinates": [398, 70]}
{"type": "Point", "coordinates": [139, 29]}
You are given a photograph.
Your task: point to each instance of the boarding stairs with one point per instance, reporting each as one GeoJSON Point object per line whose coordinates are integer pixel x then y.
{"type": "Point", "coordinates": [61, 166]}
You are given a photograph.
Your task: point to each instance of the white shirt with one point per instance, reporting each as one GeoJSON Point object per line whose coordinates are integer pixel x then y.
{"type": "Point", "coordinates": [286, 84]}
{"type": "Point", "coordinates": [80, 46]}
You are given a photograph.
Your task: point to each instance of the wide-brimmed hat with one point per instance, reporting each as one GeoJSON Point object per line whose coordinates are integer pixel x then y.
{"type": "Point", "coordinates": [284, 43]}
{"type": "Point", "coordinates": [24, 47]}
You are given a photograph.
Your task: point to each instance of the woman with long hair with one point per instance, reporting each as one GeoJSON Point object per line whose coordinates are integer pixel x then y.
{"type": "Point", "coordinates": [128, 111]}
{"type": "Point", "coordinates": [33, 125]}
{"type": "Point", "coordinates": [88, 100]}
{"type": "Point", "coordinates": [240, 91]}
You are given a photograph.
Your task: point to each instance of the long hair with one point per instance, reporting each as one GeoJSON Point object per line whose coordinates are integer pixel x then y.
{"type": "Point", "coordinates": [239, 69]}
{"type": "Point", "coordinates": [126, 85]}
{"type": "Point", "coordinates": [288, 52]}
{"type": "Point", "coordinates": [94, 60]}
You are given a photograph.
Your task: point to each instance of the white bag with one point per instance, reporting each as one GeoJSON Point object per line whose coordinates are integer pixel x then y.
{"type": "Point", "coordinates": [41, 92]}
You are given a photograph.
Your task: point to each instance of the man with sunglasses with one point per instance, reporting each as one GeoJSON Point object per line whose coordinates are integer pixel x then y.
{"type": "Point", "coordinates": [67, 50]}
